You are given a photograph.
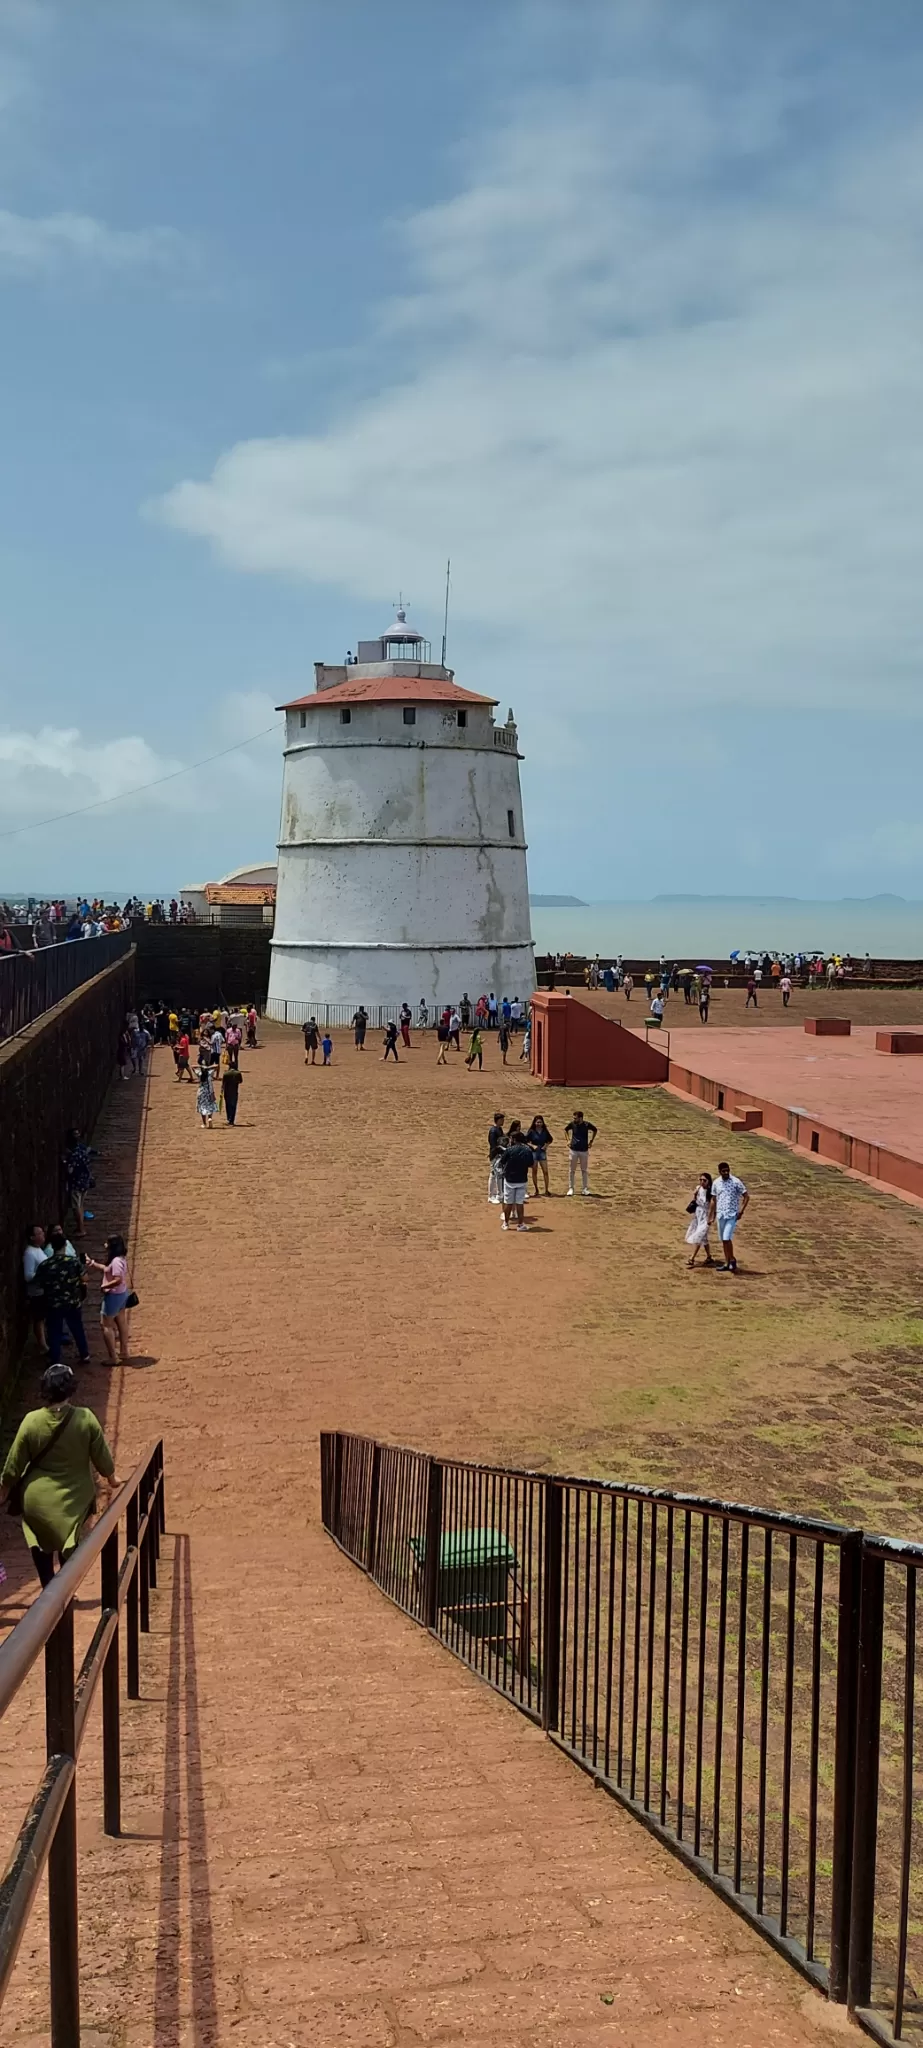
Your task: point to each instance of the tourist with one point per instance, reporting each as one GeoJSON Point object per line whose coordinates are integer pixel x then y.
{"type": "Point", "coordinates": [173, 1026]}
{"type": "Point", "coordinates": [123, 1053]}
{"type": "Point", "coordinates": [728, 1202]}
{"type": "Point", "coordinates": [113, 1312]}
{"type": "Point", "coordinates": [233, 1040]}
{"type": "Point", "coordinates": [78, 1178]}
{"type": "Point", "coordinates": [442, 1034]}
{"type": "Point", "coordinates": [455, 1030]}
{"type": "Point", "coordinates": [580, 1135]}
{"type": "Point", "coordinates": [786, 987]}
{"type": "Point", "coordinates": [475, 1049]}
{"type": "Point", "coordinates": [628, 985]}
{"type": "Point", "coordinates": [311, 1037]}
{"type": "Point", "coordinates": [63, 1290]}
{"type": "Point", "coordinates": [492, 1011]}
{"type": "Point", "coordinates": [515, 1165]}
{"type": "Point", "coordinates": [50, 1467]}
{"type": "Point", "coordinates": [251, 1027]}
{"type": "Point", "coordinates": [526, 1053]}
{"type": "Point", "coordinates": [481, 1012]}
{"type": "Point", "coordinates": [391, 1042]}
{"type": "Point", "coordinates": [516, 1013]}
{"type": "Point", "coordinates": [181, 1056]}
{"type": "Point", "coordinates": [231, 1085]}
{"type": "Point", "coordinates": [206, 1101]}
{"type": "Point", "coordinates": [704, 1000]}
{"type": "Point", "coordinates": [503, 1039]}
{"type": "Point", "coordinates": [698, 1209]}
{"type": "Point", "coordinates": [139, 1045]}
{"type": "Point", "coordinates": [539, 1137]}
{"type": "Point", "coordinates": [496, 1140]}
{"type": "Point", "coordinates": [686, 983]}
{"type": "Point", "coordinates": [656, 1016]}
{"type": "Point", "coordinates": [360, 1026]}
{"type": "Point", "coordinates": [217, 1045]}
{"type": "Point", "coordinates": [406, 1019]}
{"type": "Point", "coordinates": [506, 1012]}
{"type": "Point", "coordinates": [423, 1015]}
{"type": "Point", "coordinates": [464, 1011]}
{"type": "Point", "coordinates": [751, 990]}
{"type": "Point", "coordinates": [33, 1259]}
{"type": "Point", "coordinates": [326, 1046]}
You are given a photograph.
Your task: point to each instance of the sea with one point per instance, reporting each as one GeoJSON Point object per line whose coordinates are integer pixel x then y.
{"type": "Point", "coordinates": [696, 928]}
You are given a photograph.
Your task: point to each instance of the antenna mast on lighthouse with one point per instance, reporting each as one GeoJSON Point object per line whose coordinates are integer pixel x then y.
{"type": "Point", "coordinates": [445, 629]}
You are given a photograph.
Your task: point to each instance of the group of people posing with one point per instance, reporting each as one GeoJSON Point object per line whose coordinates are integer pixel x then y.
{"type": "Point", "coordinates": [517, 1156]}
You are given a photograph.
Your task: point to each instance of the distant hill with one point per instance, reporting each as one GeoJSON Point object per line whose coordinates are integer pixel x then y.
{"type": "Point", "coordinates": [558, 902]}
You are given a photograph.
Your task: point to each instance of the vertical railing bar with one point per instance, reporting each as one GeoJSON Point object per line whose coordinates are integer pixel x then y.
{"type": "Point", "coordinates": [719, 1695]}
{"type": "Point", "coordinates": [623, 1624]}
{"type": "Point", "coordinates": [765, 1668]}
{"type": "Point", "coordinates": [565, 1610]}
{"type": "Point", "coordinates": [597, 1611]}
{"type": "Point", "coordinates": [817, 1645]}
{"type": "Point", "coordinates": [585, 1673]}
{"type": "Point", "coordinates": [683, 1681]}
{"type": "Point", "coordinates": [667, 1659]}
{"type": "Point", "coordinates": [649, 1671]}
{"type": "Point", "coordinates": [700, 1686]}
{"type": "Point", "coordinates": [910, 1653]}
{"type": "Point", "coordinates": [636, 1673]}
{"type": "Point", "coordinates": [610, 1628]}
{"type": "Point", "coordinates": [112, 1746]}
{"type": "Point", "coordinates": [787, 1729]}
{"type": "Point", "coordinates": [741, 1706]}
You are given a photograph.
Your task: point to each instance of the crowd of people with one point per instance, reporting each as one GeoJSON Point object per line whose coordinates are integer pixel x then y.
{"type": "Point", "coordinates": [503, 1017]}
{"type": "Point", "coordinates": [518, 1156]}
{"type": "Point", "coordinates": [86, 918]}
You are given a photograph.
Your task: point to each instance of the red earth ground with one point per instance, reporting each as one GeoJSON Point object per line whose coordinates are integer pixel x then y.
{"type": "Point", "coordinates": [334, 1833]}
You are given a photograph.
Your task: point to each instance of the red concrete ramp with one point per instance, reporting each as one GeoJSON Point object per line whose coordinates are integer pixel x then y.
{"type": "Point", "coordinates": [574, 1047]}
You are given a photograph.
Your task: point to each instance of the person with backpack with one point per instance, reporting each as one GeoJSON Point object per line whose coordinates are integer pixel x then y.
{"type": "Point", "coordinates": [63, 1291]}
{"type": "Point", "coordinates": [390, 1050]}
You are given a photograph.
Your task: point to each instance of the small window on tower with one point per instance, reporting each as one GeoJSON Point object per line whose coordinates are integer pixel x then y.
{"type": "Point", "coordinates": [511, 823]}
{"type": "Point", "coordinates": [463, 718]}
{"type": "Point", "coordinates": [304, 718]}
{"type": "Point", "coordinates": [345, 715]}
{"type": "Point", "coordinates": [410, 715]}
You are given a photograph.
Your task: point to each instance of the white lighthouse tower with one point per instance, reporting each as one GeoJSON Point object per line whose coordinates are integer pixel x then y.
{"type": "Point", "coordinates": [402, 855]}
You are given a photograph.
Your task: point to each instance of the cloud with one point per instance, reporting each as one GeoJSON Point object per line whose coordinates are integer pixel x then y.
{"type": "Point", "coordinates": [655, 385]}
{"type": "Point", "coordinates": [58, 769]}
{"type": "Point", "coordinates": [56, 241]}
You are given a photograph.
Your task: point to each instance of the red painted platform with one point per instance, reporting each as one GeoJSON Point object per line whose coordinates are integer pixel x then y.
{"type": "Point", "coordinates": [574, 1047]}
{"type": "Point", "coordinates": [840, 1100]}
{"type": "Point", "coordinates": [828, 1027]}
{"type": "Point", "coordinates": [899, 1041]}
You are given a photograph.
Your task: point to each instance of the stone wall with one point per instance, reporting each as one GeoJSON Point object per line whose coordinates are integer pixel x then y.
{"type": "Point", "coordinates": [53, 1075]}
{"type": "Point", "coordinates": [202, 963]}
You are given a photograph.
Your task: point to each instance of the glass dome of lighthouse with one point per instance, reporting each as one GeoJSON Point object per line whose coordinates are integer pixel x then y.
{"type": "Point", "coordinates": [402, 642]}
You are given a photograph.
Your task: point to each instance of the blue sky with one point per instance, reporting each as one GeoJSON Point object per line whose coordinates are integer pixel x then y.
{"type": "Point", "coordinates": [618, 305]}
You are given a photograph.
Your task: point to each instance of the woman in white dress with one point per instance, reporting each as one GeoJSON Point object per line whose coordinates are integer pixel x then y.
{"type": "Point", "coordinates": [697, 1233]}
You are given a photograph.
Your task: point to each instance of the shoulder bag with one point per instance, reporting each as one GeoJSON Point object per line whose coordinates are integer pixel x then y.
{"type": "Point", "coordinates": [14, 1497]}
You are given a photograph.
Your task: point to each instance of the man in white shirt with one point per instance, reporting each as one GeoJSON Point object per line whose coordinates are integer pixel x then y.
{"type": "Point", "coordinates": [33, 1258]}
{"type": "Point", "coordinates": [729, 1199]}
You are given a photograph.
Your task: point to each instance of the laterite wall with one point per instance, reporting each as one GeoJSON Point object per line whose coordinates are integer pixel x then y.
{"type": "Point", "coordinates": [53, 1075]}
{"type": "Point", "coordinates": [202, 963]}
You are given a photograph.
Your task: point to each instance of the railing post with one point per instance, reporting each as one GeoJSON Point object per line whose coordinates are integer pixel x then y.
{"type": "Point", "coordinates": [112, 1757]}
{"type": "Point", "coordinates": [337, 1482]}
{"type": "Point", "coordinates": [132, 1662]}
{"type": "Point", "coordinates": [144, 1583]}
{"type": "Point", "coordinates": [60, 1736]}
{"type": "Point", "coordinates": [432, 1556]}
{"type": "Point", "coordinates": [551, 1614]}
{"type": "Point", "coordinates": [865, 1822]}
{"type": "Point", "coordinates": [844, 1765]}
{"type": "Point", "coordinates": [371, 1542]}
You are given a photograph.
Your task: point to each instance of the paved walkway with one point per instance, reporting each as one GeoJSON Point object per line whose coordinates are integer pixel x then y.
{"type": "Point", "coordinates": [842, 1081]}
{"type": "Point", "coordinates": [335, 1834]}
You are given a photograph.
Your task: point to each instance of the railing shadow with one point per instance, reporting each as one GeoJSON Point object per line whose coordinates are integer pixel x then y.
{"type": "Point", "coordinates": [183, 1775]}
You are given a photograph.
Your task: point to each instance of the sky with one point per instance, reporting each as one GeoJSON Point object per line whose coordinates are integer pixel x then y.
{"type": "Point", "coordinates": [617, 305]}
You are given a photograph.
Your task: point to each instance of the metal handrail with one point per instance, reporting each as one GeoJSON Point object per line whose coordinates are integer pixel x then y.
{"type": "Point", "coordinates": [48, 1833]}
{"type": "Point", "coordinates": [33, 981]}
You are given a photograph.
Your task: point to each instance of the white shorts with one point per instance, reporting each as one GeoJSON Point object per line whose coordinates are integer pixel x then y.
{"type": "Point", "coordinates": [515, 1193]}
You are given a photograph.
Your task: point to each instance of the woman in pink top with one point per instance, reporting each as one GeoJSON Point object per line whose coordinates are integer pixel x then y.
{"type": "Point", "coordinates": [114, 1309]}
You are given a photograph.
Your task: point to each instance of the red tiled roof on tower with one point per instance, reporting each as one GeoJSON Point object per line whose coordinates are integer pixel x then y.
{"type": "Point", "coordinates": [389, 690]}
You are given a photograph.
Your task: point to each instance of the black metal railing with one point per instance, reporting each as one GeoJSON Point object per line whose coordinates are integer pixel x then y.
{"type": "Point", "coordinates": [31, 983]}
{"type": "Point", "coordinates": [49, 1830]}
{"type": "Point", "coordinates": [742, 1681]}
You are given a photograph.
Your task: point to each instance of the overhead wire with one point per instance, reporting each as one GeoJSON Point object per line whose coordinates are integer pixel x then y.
{"type": "Point", "coordinates": [39, 824]}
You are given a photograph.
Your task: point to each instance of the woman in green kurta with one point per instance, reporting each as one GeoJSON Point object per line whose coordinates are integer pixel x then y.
{"type": "Point", "coordinates": [59, 1491]}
